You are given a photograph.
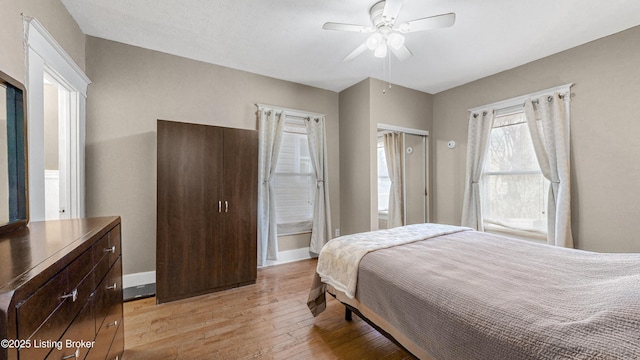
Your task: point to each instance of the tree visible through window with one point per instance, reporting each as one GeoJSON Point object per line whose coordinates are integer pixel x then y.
{"type": "Point", "coordinates": [514, 189]}
{"type": "Point", "coordinates": [294, 181]}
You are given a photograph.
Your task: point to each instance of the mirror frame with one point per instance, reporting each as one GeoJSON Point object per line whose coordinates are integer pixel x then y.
{"type": "Point", "coordinates": [17, 178]}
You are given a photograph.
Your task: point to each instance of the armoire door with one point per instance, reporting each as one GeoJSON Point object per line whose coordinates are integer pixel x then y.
{"type": "Point", "coordinates": [241, 195]}
{"type": "Point", "coordinates": [189, 259]}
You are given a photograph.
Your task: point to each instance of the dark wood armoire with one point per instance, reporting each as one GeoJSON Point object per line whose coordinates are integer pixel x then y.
{"type": "Point", "coordinates": [206, 209]}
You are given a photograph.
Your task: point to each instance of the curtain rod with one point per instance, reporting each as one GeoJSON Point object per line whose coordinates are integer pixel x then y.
{"type": "Point", "coordinates": [403, 129]}
{"type": "Point", "coordinates": [519, 101]}
{"type": "Point", "coordinates": [290, 112]}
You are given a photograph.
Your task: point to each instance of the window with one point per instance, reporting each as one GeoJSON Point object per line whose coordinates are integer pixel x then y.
{"type": "Point", "coordinates": [384, 182]}
{"type": "Point", "coordinates": [294, 181]}
{"type": "Point", "coordinates": [514, 189]}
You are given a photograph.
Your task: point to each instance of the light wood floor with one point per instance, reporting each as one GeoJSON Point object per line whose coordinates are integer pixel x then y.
{"type": "Point", "coordinates": [268, 320]}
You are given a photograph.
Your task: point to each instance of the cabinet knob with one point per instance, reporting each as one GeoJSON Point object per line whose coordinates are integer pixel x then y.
{"type": "Point", "coordinates": [72, 295]}
{"type": "Point", "coordinates": [115, 323]}
{"type": "Point", "coordinates": [226, 206]}
{"type": "Point", "coordinates": [111, 249]}
{"type": "Point", "coordinates": [112, 287]}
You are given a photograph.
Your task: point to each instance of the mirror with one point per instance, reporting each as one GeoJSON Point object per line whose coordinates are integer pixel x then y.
{"type": "Point", "coordinates": [13, 179]}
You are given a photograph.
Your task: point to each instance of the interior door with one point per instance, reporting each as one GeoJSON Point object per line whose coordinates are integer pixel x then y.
{"type": "Point", "coordinates": [240, 198]}
{"type": "Point", "coordinates": [189, 219]}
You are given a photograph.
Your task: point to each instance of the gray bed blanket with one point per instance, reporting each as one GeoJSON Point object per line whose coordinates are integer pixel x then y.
{"type": "Point", "coordinates": [472, 295]}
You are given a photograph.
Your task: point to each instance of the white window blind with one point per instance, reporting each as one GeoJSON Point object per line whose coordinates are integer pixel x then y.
{"type": "Point", "coordinates": [294, 181]}
{"type": "Point", "coordinates": [513, 187]}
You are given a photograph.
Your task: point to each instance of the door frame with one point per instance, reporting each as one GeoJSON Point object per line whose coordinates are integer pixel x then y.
{"type": "Point", "coordinates": [425, 148]}
{"type": "Point", "coordinates": [44, 54]}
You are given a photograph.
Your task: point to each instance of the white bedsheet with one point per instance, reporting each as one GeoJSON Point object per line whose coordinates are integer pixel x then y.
{"type": "Point", "coordinates": [339, 259]}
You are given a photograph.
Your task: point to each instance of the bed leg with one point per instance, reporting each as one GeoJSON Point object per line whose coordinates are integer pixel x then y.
{"type": "Point", "coordinates": [347, 314]}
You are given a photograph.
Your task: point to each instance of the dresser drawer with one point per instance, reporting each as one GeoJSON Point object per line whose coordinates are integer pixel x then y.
{"type": "Point", "coordinates": [39, 306]}
{"type": "Point", "coordinates": [101, 257]}
{"type": "Point", "coordinates": [79, 337]}
{"type": "Point", "coordinates": [109, 294]}
{"type": "Point", "coordinates": [114, 244]}
{"type": "Point", "coordinates": [52, 307]}
{"type": "Point", "coordinates": [117, 347]}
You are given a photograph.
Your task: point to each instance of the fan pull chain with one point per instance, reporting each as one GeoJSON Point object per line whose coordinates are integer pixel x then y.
{"type": "Point", "coordinates": [386, 73]}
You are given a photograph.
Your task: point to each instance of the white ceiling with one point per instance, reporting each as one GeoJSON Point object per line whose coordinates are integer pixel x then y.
{"type": "Point", "coordinates": [284, 39]}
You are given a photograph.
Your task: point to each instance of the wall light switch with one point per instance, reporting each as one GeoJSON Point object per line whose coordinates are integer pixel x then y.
{"type": "Point", "coordinates": [337, 232]}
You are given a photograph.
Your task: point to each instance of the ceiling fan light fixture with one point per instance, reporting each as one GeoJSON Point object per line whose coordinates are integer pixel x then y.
{"type": "Point", "coordinates": [381, 50]}
{"type": "Point", "coordinates": [374, 41]}
{"type": "Point", "coordinates": [387, 36]}
{"type": "Point", "coordinates": [395, 40]}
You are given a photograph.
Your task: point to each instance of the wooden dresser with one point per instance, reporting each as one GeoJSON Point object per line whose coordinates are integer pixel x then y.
{"type": "Point", "coordinates": [61, 290]}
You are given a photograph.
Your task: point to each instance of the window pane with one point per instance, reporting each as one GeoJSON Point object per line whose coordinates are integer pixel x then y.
{"type": "Point", "coordinates": [294, 184]}
{"type": "Point", "coordinates": [294, 155]}
{"type": "Point", "coordinates": [517, 201]}
{"type": "Point", "coordinates": [511, 149]}
{"type": "Point", "coordinates": [514, 191]}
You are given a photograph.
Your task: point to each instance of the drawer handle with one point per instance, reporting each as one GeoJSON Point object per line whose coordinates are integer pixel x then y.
{"type": "Point", "coordinates": [115, 323]}
{"type": "Point", "coordinates": [73, 295]}
{"type": "Point", "coordinates": [113, 287]}
{"type": "Point", "coordinates": [75, 355]}
{"type": "Point", "coordinates": [111, 249]}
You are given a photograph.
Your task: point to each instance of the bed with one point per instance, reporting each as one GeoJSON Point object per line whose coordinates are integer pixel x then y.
{"type": "Point", "coordinates": [447, 292]}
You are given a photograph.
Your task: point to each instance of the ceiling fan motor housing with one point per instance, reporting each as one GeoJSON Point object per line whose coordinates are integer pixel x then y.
{"type": "Point", "coordinates": [376, 15]}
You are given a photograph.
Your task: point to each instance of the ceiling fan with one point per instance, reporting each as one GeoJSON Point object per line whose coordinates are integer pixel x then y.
{"type": "Point", "coordinates": [387, 36]}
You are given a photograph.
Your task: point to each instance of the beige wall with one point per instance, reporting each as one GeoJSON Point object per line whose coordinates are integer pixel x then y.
{"type": "Point", "coordinates": [355, 162]}
{"type": "Point", "coordinates": [53, 16]}
{"type": "Point", "coordinates": [132, 88]}
{"type": "Point", "coordinates": [362, 107]}
{"type": "Point", "coordinates": [604, 136]}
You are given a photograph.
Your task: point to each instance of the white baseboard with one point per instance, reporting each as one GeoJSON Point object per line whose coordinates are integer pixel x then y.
{"type": "Point", "coordinates": [149, 277]}
{"type": "Point", "coordinates": [136, 279]}
{"type": "Point", "coordinates": [290, 256]}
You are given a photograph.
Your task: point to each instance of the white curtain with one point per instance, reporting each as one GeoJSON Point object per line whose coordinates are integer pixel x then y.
{"type": "Point", "coordinates": [321, 228]}
{"type": "Point", "coordinates": [271, 129]}
{"type": "Point", "coordinates": [393, 151]}
{"type": "Point", "coordinates": [548, 123]}
{"type": "Point", "coordinates": [477, 146]}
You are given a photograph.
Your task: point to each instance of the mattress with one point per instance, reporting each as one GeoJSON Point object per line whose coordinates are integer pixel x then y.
{"type": "Point", "coordinates": [473, 295]}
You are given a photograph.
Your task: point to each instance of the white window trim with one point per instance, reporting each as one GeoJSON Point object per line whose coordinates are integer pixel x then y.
{"type": "Point", "coordinates": [43, 53]}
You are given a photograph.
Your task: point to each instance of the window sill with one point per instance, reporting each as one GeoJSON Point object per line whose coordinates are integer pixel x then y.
{"type": "Point", "coordinates": [294, 228]}
{"type": "Point", "coordinates": [516, 234]}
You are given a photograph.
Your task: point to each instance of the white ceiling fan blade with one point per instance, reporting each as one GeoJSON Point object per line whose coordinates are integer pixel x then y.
{"type": "Point", "coordinates": [359, 50]}
{"type": "Point", "coordinates": [402, 53]}
{"type": "Point", "coordinates": [428, 23]}
{"type": "Point", "coordinates": [347, 27]}
{"type": "Point", "coordinates": [391, 10]}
